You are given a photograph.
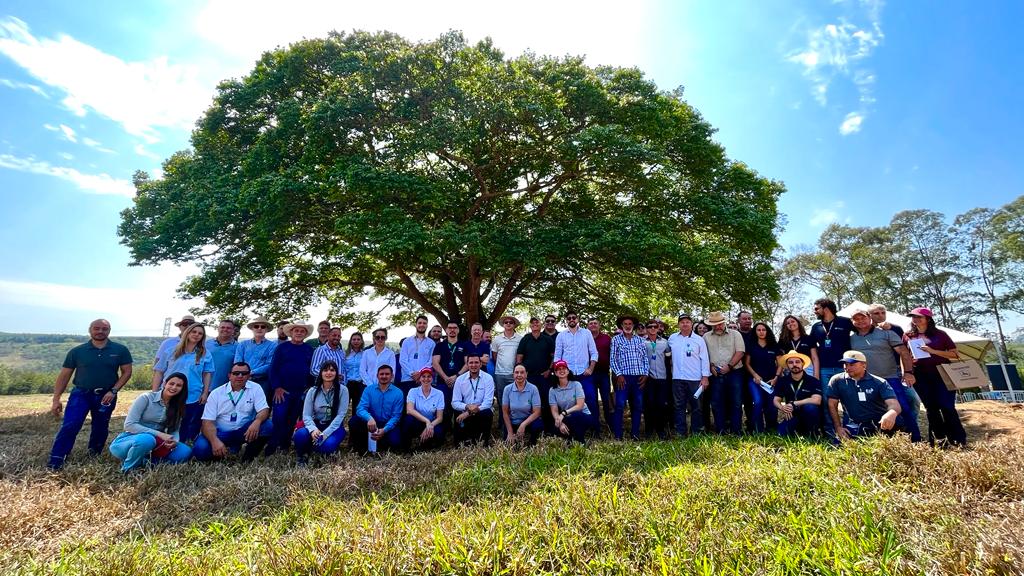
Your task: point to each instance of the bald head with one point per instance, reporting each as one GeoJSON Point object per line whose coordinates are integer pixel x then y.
{"type": "Point", "coordinates": [99, 329]}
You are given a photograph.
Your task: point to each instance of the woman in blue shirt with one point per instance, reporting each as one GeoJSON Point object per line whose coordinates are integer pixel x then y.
{"type": "Point", "coordinates": [520, 409]}
{"type": "Point", "coordinates": [569, 405]}
{"type": "Point", "coordinates": [323, 412]}
{"type": "Point", "coordinates": [424, 416]}
{"type": "Point", "coordinates": [191, 358]}
{"type": "Point", "coordinates": [152, 425]}
{"type": "Point", "coordinates": [762, 365]}
{"type": "Point", "coordinates": [353, 360]}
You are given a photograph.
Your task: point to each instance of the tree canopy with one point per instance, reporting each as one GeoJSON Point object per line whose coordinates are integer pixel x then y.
{"type": "Point", "coordinates": [441, 176]}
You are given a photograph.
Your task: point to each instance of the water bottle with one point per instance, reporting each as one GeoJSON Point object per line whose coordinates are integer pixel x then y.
{"type": "Point", "coordinates": [371, 444]}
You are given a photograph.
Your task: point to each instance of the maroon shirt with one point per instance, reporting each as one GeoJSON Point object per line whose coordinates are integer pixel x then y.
{"type": "Point", "coordinates": [940, 341]}
{"type": "Point", "coordinates": [604, 351]}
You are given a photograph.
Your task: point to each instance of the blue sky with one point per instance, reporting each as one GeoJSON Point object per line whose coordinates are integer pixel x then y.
{"type": "Point", "coordinates": [861, 108]}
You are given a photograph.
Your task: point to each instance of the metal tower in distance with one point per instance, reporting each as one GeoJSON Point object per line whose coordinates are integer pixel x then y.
{"type": "Point", "coordinates": [167, 327]}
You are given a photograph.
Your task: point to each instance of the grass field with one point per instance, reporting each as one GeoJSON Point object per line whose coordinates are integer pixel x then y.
{"type": "Point", "coordinates": [699, 506]}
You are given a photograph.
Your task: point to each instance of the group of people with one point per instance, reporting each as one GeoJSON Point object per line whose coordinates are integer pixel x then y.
{"type": "Point", "coordinates": [212, 397]}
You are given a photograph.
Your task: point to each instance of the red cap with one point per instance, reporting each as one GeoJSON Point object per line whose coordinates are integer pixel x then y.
{"type": "Point", "coordinates": [921, 311]}
{"type": "Point", "coordinates": [426, 370]}
{"type": "Point", "coordinates": [558, 364]}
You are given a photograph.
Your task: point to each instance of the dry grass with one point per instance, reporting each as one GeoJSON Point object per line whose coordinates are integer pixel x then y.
{"type": "Point", "coordinates": [714, 506]}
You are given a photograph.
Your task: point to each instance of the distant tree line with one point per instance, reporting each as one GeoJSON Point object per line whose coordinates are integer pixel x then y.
{"type": "Point", "coordinates": [19, 381]}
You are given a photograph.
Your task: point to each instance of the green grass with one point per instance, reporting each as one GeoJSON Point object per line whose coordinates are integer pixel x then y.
{"type": "Point", "coordinates": [699, 506]}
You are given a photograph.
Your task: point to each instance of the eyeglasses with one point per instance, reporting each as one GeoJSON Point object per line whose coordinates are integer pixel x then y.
{"type": "Point", "coordinates": [570, 318]}
{"type": "Point", "coordinates": [379, 337]}
{"type": "Point", "coordinates": [652, 327]}
{"type": "Point", "coordinates": [239, 373]}
{"type": "Point", "coordinates": [508, 322]}
{"type": "Point", "coordinates": [549, 321]}
{"type": "Point", "coordinates": [261, 327]}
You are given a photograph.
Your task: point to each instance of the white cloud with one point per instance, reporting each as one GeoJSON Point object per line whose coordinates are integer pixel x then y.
{"type": "Point", "coordinates": [15, 85]}
{"type": "Point", "coordinates": [851, 124]}
{"type": "Point", "coordinates": [67, 156]}
{"type": "Point", "coordinates": [68, 133]}
{"type": "Point", "coordinates": [839, 51]}
{"type": "Point", "coordinates": [141, 151]}
{"type": "Point", "coordinates": [141, 96]}
{"type": "Point", "coordinates": [97, 145]}
{"type": "Point", "coordinates": [822, 217]}
{"type": "Point", "coordinates": [92, 183]}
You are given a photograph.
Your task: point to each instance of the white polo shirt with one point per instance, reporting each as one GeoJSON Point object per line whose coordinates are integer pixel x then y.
{"type": "Point", "coordinates": [245, 404]}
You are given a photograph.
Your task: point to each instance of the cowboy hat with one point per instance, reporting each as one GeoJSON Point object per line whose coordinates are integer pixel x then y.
{"type": "Point", "coordinates": [260, 320]}
{"type": "Point", "coordinates": [186, 320]}
{"type": "Point", "coordinates": [292, 326]}
{"type": "Point", "coordinates": [509, 317]}
{"type": "Point", "coordinates": [624, 317]}
{"type": "Point", "coordinates": [715, 318]}
{"type": "Point", "coordinates": [794, 354]}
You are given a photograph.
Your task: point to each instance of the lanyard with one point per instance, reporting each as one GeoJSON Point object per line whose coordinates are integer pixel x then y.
{"type": "Point", "coordinates": [475, 386]}
{"type": "Point", "coordinates": [796, 390]}
{"type": "Point", "coordinates": [234, 403]}
{"type": "Point", "coordinates": [830, 326]}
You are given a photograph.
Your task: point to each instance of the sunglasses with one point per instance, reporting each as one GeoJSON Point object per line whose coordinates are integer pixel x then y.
{"type": "Point", "coordinates": [570, 318]}
{"type": "Point", "coordinates": [549, 321]}
{"type": "Point", "coordinates": [508, 322]}
{"type": "Point", "coordinates": [261, 327]}
{"type": "Point", "coordinates": [379, 337]}
{"type": "Point", "coordinates": [239, 373]}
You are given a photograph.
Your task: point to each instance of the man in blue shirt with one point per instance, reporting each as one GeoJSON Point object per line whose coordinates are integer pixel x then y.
{"type": "Point", "coordinates": [472, 401]}
{"type": "Point", "coordinates": [867, 399]}
{"type": "Point", "coordinates": [630, 366]}
{"type": "Point", "coordinates": [330, 350]}
{"type": "Point", "coordinates": [416, 354]}
{"type": "Point", "coordinates": [258, 353]}
{"type": "Point", "coordinates": [222, 348]}
{"type": "Point", "coordinates": [377, 416]}
{"type": "Point", "coordinates": [101, 368]}
{"type": "Point", "coordinates": [577, 347]}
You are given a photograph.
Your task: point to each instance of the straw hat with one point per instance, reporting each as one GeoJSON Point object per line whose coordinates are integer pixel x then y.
{"type": "Point", "coordinates": [715, 318]}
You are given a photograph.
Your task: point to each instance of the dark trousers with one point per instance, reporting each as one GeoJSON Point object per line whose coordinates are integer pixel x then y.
{"type": "Point", "coordinates": [533, 430]}
{"type": "Point", "coordinates": [355, 392]}
{"type": "Point", "coordinates": [578, 424]}
{"type": "Point", "coordinates": [826, 416]}
{"type": "Point", "coordinates": [234, 440]}
{"type": "Point", "coordinates": [285, 414]}
{"type": "Point", "coordinates": [632, 393]}
{"type": "Point", "coordinates": [359, 437]}
{"type": "Point", "coordinates": [657, 407]}
{"type": "Point", "coordinates": [80, 403]}
{"type": "Point", "coordinates": [686, 405]}
{"type": "Point", "coordinates": [727, 401]}
{"type": "Point", "coordinates": [304, 442]}
{"type": "Point", "coordinates": [191, 422]}
{"type": "Point", "coordinates": [475, 427]}
{"type": "Point", "coordinates": [805, 421]}
{"type": "Point", "coordinates": [763, 412]}
{"type": "Point", "coordinates": [543, 386]}
{"type": "Point", "coordinates": [602, 382]}
{"type": "Point", "coordinates": [865, 429]}
{"type": "Point", "coordinates": [940, 406]}
{"type": "Point", "coordinates": [906, 410]}
{"type": "Point", "coordinates": [449, 414]}
{"type": "Point", "coordinates": [412, 427]}
{"type": "Point", "coordinates": [590, 395]}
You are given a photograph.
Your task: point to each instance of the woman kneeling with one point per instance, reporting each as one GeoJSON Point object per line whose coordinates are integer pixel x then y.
{"type": "Point", "coordinates": [152, 426]}
{"type": "Point", "coordinates": [424, 407]}
{"type": "Point", "coordinates": [323, 413]}
{"type": "Point", "coordinates": [569, 406]}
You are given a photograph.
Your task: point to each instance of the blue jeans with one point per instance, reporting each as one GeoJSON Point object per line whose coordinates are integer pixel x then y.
{"type": "Point", "coordinates": [727, 390]}
{"type": "Point", "coordinates": [806, 421]}
{"type": "Point", "coordinates": [304, 442]}
{"type": "Point", "coordinates": [234, 439]}
{"type": "Point", "coordinates": [763, 412]}
{"type": "Point", "coordinates": [602, 382]}
{"type": "Point", "coordinates": [578, 424]}
{"type": "Point", "coordinates": [635, 396]}
{"type": "Point", "coordinates": [191, 422]}
{"type": "Point", "coordinates": [827, 425]}
{"type": "Point", "coordinates": [682, 395]}
{"type": "Point", "coordinates": [909, 421]}
{"type": "Point", "coordinates": [590, 396]}
{"type": "Point", "coordinates": [133, 449]}
{"type": "Point", "coordinates": [80, 403]}
{"type": "Point", "coordinates": [285, 415]}
{"type": "Point", "coordinates": [657, 407]}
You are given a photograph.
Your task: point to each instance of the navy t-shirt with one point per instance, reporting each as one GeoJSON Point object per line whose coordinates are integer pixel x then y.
{"type": "Point", "coordinates": [763, 360]}
{"type": "Point", "coordinates": [872, 407]}
{"type": "Point", "coordinates": [833, 339]}
{"type": "Point", "coordinates": [804, 346]}
{"type": "Point", "coordinates": [791, 391]}
{"type": "Point", "coordinates": [481, 349]}
{"type": "Point", "coordinates": [451, 357]}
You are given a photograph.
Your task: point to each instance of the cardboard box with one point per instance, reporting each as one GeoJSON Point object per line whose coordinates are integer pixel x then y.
{"type": "Point", "coordinates": [963, 374]}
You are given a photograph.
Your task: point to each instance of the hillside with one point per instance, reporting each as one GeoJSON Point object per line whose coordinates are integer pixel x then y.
{"type": "Point", "coordinates": [45, 352]}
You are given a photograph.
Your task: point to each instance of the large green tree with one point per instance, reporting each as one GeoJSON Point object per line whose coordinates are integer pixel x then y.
{"type": "Point", "coordinates": [441, 176]}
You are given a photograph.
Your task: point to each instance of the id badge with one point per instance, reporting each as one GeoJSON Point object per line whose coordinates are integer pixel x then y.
{"type": "Point", "coordinates": [416, 355]}
{"type": "Point", "coordinates": [828, 342]}
{"type": "Point", "coordinates": [862, 397]}
{"type": "Point", "coordinates": [654, 356]}
{"type": "Point", "coordinates": [451, 364]}
{"type": "Point", "coordinates": [234, 416]}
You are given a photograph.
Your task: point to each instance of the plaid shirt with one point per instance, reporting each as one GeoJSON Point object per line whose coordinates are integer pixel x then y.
{"type": "Point", "coordinates": [629, 356]}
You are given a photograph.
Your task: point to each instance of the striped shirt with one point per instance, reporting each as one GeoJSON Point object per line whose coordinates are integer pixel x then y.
{"type": "Point", "coordinates": [324, 353]}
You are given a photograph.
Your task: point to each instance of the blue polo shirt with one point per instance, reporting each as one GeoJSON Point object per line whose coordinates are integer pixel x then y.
{"type": "Point", "coordinates": [428, 405]}
{"type": "Point", "coordinates": [566, 398]}
{"type": "Point", "coordinates": [97, 367]}
{"type": "Point", "coordinates": [193, 371]}
{"type": "Point", "coordinates": [521, 403]}
{"type": "Point", "coordinates": [257, 356]}
{"type": "Point", "coordinates": [223, 358]}
{"type": "Point", "coordinates": [869, 409]}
